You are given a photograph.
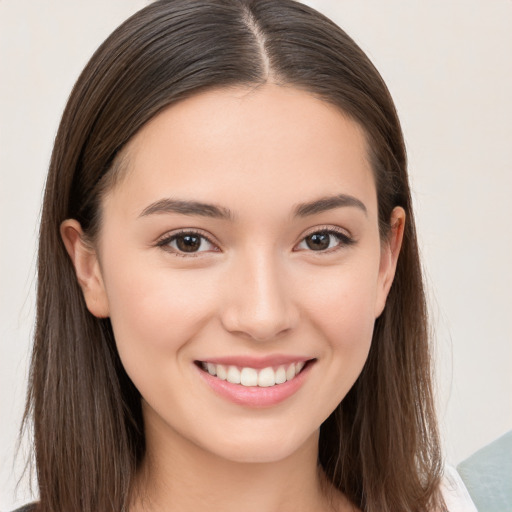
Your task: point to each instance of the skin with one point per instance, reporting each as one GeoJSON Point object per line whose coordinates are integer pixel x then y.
{"type": "Point", "coordinates": [257, 289]}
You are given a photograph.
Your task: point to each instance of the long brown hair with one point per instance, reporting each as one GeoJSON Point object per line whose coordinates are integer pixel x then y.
{"type": "Point", "coordinates": [380, 446]}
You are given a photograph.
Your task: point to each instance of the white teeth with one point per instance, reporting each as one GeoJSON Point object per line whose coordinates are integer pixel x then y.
{"type": "Point", "coordinates": [264, 378]}
{"type": "Point", "coordinates": [280, 375]}
{"type": "Point", "coordinates": [290, 372]}
{"type": "Point", "coordinates": [249, 377]}
{"type": "Point", "coordinates": [233, 375]}
{"type": "Point", "coordinates": [221, 372]}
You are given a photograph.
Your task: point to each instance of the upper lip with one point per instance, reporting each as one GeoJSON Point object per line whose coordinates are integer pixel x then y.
{"type": "Point", "coordinates": [257, 363]}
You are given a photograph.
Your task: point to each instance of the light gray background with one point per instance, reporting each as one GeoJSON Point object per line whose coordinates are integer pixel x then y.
{"type": "Point", "coordinates": [449, 67]}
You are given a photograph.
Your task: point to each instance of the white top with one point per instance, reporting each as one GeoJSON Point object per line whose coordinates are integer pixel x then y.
{"type": "Point", "coordinates": [454, 492]}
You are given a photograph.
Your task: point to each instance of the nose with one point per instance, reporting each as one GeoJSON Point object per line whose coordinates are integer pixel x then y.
{"type": "Point", "coordinates": [259, 302]}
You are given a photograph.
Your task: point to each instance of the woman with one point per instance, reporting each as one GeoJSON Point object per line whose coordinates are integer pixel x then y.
{"type": "Point", "coordinates": [230, 303]}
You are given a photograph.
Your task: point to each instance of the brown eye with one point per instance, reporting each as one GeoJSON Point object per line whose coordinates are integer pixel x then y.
{"type": "Point", "coordinates": [318, 241]}
{"type": "Point", "coordinates": [187, 243]}
{"type": "Point", "coordinates": [323, 241]}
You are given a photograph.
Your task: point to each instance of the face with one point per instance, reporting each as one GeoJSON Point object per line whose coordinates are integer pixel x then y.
{"type": "Point", "coordinates": [239, 249]}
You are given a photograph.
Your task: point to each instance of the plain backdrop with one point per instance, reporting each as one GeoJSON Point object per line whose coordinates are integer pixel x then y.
{"type": "Point", "coordinates": [449, 68]}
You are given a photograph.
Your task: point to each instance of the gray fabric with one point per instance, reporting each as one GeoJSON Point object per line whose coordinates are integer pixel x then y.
{"type": "Point", "coordinates": [26, 508]}
{"type": "Point", "coordinates": [487, 475]}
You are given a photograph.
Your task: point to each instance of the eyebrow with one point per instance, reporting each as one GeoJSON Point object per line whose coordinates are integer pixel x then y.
{"type": "Point", "coordinates": [197, 208]}
{"type": "Point", "coordinates": [168, 205]}
{"type": "Point", "coordinates": [328, 203]}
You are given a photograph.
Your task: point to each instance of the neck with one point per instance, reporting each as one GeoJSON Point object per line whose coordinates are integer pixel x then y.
{"type": "Point", "coordinates": [178, 475]}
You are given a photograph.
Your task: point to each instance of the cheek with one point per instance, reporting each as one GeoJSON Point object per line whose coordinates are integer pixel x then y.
{"type": "Point", "coordinates": [342, 303]}
{"type": "Point", "coordinates": [154, 313]}
{"type": "Point", "coordinates": [342, 312]}
{"type": "Point", "coordinates": [347, 324]}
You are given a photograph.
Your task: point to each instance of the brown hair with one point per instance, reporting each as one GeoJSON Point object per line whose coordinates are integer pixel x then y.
{"type": "Point", "coordinates": [380, 446]}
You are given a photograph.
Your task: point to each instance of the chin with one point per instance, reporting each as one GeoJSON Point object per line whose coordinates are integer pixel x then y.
{"type": "Point", "coordinates": [264, 448]}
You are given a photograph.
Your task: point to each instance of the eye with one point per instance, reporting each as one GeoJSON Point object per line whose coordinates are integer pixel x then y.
{"type": "Point", "coordinates": [187, 243]}
{"type": "Point", "coordinates": [325, 240]}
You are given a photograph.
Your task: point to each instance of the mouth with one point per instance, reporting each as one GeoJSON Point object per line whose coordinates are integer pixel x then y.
{"type": "Point", "coordinates": [247, 376]}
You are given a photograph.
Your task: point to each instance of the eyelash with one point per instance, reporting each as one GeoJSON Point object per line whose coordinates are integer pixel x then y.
{"type": "Point", "coordinates": [344, 240]}
{"type": "Point", "coordinates": [165, 242]}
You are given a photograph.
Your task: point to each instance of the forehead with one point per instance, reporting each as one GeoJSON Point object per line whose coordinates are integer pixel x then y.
{"type": "Point", "coordinates": [272, 142]}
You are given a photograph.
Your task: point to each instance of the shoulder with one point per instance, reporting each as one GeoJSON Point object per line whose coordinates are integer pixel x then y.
{"type": "Point", "coordinates": [27, 508]}
{"type": "Point", "coordinates": [454, 492]}
{"type": "Point", "coordinates": [487, 474]}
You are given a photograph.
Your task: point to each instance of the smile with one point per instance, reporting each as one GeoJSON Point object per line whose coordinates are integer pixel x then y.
{"type": "Point", "coordinates": [255, 382]}
{"type": "Point", "coordinates": [251, 377]}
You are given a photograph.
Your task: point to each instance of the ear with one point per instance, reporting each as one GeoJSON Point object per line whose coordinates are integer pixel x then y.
{"type": "Point", "coordinates": [390, 250]}
{"type": "Point", "coordinates": [87, 267]}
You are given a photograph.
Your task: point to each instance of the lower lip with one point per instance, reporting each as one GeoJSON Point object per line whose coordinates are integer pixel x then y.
{"type": "Point", "coordinates": [255, 396]}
